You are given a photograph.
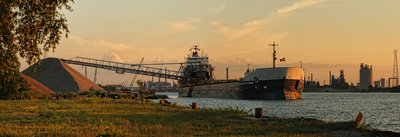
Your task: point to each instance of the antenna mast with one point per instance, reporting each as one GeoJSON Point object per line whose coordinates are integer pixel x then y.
{"type": "Point", "coordinates": [273, 54]}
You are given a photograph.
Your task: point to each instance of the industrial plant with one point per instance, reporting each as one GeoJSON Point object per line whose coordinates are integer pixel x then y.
{"type": "Point", "coordinates": [366, 81]}
{"type": "Point", "coordinates": [365, 77]}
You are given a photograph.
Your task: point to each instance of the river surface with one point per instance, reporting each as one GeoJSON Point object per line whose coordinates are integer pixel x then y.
{"type": "Point", "coordinates": [380, 110]}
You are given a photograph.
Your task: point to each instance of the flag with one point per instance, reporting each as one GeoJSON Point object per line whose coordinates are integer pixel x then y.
{"type": "Point", "coordinates": [282, 59]}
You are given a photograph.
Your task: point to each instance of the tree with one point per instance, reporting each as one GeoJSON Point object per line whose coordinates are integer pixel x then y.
{"type": "Point", "coordinates": [27, 28]}
{"type": "Point", "coordinates": [142, 89]}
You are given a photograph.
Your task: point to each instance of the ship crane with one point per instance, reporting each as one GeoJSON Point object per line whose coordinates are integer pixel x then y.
{"type": "Point", "coordinates": [135, 75]}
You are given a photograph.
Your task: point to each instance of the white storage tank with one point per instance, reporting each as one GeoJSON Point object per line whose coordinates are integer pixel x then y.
{"type": "Point", "coordinates": [365, 77]}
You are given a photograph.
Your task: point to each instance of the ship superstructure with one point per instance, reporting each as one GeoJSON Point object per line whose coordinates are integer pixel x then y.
{"type": "Point", "coordinates": [197, 68]}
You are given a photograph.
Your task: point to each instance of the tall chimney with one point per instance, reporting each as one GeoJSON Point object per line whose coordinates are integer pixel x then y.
{"type": "Point", "coordinates": [227, 73]}
{"type": "Point", "coordinates": [330, 78]}
{"type": "Point", "coordinates": [312, 79]}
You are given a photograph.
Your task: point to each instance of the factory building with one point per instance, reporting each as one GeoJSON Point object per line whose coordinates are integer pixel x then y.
{"type": "Point", "coordinates": [365, 77]}
{"type": "Point", "coordinates": [339, 82]}
{"type": "Point", "coordinates": [380, 83]}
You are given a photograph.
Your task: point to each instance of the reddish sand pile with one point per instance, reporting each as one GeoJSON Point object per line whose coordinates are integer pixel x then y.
{"type": "Point", "coordinates": [38, 87]}
{"type": "Point", "coordinates": [60, 77]}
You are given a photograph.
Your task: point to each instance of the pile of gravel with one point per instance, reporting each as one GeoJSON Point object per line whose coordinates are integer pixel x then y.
{"type": "Point", "coordinates": [60, 77]}
{"type": "Point", "coordinates": [38, 87]}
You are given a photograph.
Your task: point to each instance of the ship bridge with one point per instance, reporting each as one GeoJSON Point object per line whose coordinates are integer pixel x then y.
{"type": "Point", "coordinates": [121, 68]}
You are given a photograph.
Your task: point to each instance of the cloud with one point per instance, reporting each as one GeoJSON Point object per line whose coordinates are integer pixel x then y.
{"type": "Point", "coordinates": [241, 60]}
{"type": "Point", "coordinates": [101, 44]}
{"type": "Point", "coordinates": [234, 33]}
{"type": "Point", "coordinates": [159, 60]}
{"type": "Point", "coordinates": [182, 25]}
{"type": "Point", "coordinates": [219, 9]}
{"type": "Point", "coordinates": [298, 5]}
{"type": "Point", "coordinates": [250, 27]}
{"type": "Point", "coordinates": [111, 56]}
{"type": "Point", "coordinates": [255, 25]}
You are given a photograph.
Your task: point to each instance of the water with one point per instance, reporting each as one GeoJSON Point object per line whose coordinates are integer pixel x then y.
{"type": "Point", "coordinates": [380, 110]}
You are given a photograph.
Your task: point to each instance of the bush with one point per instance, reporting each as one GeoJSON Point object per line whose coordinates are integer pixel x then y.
{"type": "Point", "coordinates": [70, 95]}
{"type": "Point", "coordinates": [66, 95]}
{"type": "Point", "coordinates": [84, 93]}
{"type": "Point", "coordinates": [94, 93]}
{"type": "Point", "coordinates": [30, 95]}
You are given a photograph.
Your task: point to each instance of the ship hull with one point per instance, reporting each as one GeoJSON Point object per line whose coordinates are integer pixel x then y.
{"type": "Point", "coordinates": [283, 89]}
{"type": "Point", "coordinates": [221, 90]}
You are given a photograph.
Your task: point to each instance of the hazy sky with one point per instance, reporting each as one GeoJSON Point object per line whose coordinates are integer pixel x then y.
{"type": "Point", "coordinates": [323, 34]}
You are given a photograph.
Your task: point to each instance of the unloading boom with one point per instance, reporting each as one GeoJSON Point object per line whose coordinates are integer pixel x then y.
{"type": "Point", "coordinates": [118, 67]}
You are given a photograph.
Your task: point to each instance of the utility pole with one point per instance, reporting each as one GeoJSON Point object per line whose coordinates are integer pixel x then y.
{"type": "Point", "coordinates": [301, 64]}
{"type": "Point", "coordinates": [227, 73]}
{"type": "Point", "coordinates": [95, 75]}
{"type": "Point", "coordinates": [395, 66]}
{"type": "Point", "coordinates": [273, 54]}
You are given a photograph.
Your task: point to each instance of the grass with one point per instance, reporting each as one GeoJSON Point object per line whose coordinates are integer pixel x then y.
{"type": "Point", "coordinates": [107, 117]}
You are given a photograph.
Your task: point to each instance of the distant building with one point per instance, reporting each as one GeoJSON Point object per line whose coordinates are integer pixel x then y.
{"type": "Point", "coordinates": [161, 86]}
{"type": "Point", "coordinates": [310, 83]}
{"type": "Point", "coordinates": [365, 77]}
{"type": "Point", "coordinates": [338, 83]}
{"type": "Point", "coordinates": [380, 83]}
{"type": "Point", "coordinates": [377, 84]}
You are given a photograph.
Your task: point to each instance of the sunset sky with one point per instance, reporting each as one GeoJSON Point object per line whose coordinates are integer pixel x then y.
{"type": "Point", "coordinates": [324, 34]}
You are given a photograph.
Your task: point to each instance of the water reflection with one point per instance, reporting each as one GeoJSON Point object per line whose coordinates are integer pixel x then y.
{"type": "Point", "coordinates": [381, 110]}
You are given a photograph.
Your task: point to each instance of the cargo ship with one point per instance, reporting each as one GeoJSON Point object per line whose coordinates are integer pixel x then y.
{"type": "Point", "coordinates": [276, 83]}
{"type": "Point", "coordinates": [272, 84]}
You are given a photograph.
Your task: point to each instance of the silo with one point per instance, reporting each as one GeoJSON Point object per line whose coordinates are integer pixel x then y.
{"type": "Point", "coordinates": [365, 77]}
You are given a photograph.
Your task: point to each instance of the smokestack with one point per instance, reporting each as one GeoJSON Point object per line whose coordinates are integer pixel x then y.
{"type": "Point", "coordinates": [227, 73]}
{"type": "Point", "coordinates": [330, 78]}
{"type": "Point", "coordinates": [312, 79]}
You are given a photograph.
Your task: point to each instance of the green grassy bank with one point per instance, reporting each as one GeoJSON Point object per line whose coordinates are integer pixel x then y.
{"type": "Point", "coordinates": [107, 117]}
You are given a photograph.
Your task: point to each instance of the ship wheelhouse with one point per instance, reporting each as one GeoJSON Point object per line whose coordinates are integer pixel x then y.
{"type": "Point", "coordinates": [197, 68]}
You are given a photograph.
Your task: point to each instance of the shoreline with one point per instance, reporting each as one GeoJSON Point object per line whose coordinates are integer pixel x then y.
{"type": "Point", "coordinates": [122, 117]}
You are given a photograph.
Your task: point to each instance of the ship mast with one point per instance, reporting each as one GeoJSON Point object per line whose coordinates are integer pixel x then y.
{"type": "Point", "coordinates": [273, 54]}
{"type": "Point", "coordinates": [195, 49]}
